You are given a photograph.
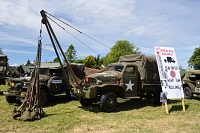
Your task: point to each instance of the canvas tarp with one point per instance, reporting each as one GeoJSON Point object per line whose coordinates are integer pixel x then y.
{"type": "Point", "coordinates": [147, 66]}
{"type": "Point", "coordinates": [190, 72]}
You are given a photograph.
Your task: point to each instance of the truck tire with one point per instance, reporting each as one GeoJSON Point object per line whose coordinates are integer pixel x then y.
{"type": "Point", "coordinates": [156, 98]}
{"type": "Point", "coordinates": [43, 97]}
{"type": "Point", "coordinates": [12, 99]}
{"type": "Point", "coordinates": [55, 88]}
{"type": "Point", "coordinates": [187, 93]}
{"type": "Point", "coordinates": [85, 102]}
{"type": "Point", "coordinates": [108, 102]}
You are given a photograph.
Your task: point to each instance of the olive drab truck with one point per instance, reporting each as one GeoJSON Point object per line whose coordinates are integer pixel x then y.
{"type": "Point", "coordinates": [3, 68]}
{"type": "Point", "coordinates": [191, 83]}
{"type": "Point", "coordinates": [51, 83]}
{"type": "Point", "coordinates": [132, 77]}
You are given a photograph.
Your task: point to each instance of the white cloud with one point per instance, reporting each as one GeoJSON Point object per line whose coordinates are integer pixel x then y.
{"type": "Point", "coordinates": [145, 23]}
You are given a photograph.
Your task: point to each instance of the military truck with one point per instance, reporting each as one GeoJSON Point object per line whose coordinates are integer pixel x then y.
{"type": "Point", "coordinates": [132, 77]}
{"type": "Point", "coordinates": [3, 68]}
{"type": "Point", "coordinates": [191, 83]}
{"type": "Point", "coordinates": [51, 83]}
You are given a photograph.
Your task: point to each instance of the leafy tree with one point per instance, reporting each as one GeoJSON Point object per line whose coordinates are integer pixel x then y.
{"type": "Point", "coordinates": [194, 61]}
{"type": "Point", "coordinates": [182, 71]}
{"type": "Point", "coordinates": [90, 61]}
{"type": "Point", "coordinates": [98, 61]}
{"type": "Point", "coordinates": [122, 47]}
{"type": "Point", "coordinates": [78, 61]}
{"type": "Point", "coordinates": [56, 59]}
{"type": "Point", "coordinates": [1, 52]}
{"type": "Point", "coordinates": [71, 53]}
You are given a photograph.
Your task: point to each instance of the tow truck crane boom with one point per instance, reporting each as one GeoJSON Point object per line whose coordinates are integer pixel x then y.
{"type": "Point", "coordinates": [54, 40]}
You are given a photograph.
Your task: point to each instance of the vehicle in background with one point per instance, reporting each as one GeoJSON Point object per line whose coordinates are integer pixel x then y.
{"type": "Point", "coordinates": [191, 83]}
{"type": "Point", "coordinates": [3, 69]}
{"type": "Point", "coordinates": [51, 83]}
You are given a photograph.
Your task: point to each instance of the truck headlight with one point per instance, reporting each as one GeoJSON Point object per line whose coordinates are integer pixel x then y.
{"type": "Point", "coordinates": [12, 84]}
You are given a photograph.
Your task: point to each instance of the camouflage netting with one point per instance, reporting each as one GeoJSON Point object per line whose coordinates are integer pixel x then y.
{"type": "Point", "coordinates": [147, 65]}
{"type": "Point", "coordinates": [89, 71]}
{"type": "Point", "coordinates": [30, 109]}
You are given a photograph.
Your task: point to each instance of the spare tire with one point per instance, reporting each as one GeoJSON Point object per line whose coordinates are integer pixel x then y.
{"type": "Point", "coordinates": [55, 84]}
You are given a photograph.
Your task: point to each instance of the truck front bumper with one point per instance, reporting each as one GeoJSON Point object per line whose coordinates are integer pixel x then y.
{"type": "Point", "coordinates": [17, 94]}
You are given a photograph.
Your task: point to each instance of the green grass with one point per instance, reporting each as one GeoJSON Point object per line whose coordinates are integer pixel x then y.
{"type": "Point", "coordinates": [130, 116]}
{"type": "Point", "coordinates": [3, 87]}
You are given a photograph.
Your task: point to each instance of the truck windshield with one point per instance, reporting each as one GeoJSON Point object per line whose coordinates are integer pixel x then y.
{"type": "Point", "coordinates": [115, 68]}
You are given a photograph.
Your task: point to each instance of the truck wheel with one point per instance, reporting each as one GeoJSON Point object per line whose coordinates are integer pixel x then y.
{"type": "Point", "coordinates": [187, 93]}
{"type": "Point", "coordinates": [156, 99]}
{"type": "Point", "coordinates": [55, 88]}
{"type": "Point", "coordinates": [43, 97]}
{"type": "Point", "coordinates": [85, 102]}
{"type": "Point", "coordinates": [108, 102]}
{"type": "Point", "coordinates": [12, 99]}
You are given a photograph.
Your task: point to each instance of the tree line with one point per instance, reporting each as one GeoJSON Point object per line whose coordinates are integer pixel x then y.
{"type": "Point", "coordinates": [121, 47]}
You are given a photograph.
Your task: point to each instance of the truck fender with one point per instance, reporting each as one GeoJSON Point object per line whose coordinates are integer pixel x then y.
{"type": "Point", "coordinates": [117, 89]}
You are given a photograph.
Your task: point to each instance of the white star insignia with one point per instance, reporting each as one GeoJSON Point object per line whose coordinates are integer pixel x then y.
{"type": "Point", "coordinates": [129, 86]}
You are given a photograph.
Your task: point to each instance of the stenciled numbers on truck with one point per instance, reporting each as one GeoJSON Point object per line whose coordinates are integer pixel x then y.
{"type": "Point", "coordinates": [56, 81]}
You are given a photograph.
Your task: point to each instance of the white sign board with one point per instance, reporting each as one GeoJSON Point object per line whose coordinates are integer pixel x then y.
{"type": "Point", "coordinates": [169, 72]}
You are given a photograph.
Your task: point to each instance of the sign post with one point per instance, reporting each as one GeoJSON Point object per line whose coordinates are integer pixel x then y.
{"type": "Point", "coordinates": [169, 74]}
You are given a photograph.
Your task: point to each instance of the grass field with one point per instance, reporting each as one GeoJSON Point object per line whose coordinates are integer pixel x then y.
{"type": "Point", "coordinates": [130, 116]}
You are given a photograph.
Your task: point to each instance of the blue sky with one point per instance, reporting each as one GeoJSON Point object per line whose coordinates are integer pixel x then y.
{"type": "Point", "coordinates": [146, 23]}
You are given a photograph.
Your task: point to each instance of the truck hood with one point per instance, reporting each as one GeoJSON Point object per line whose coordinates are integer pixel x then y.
{"type": "Point", "coordinates": [105, 76]}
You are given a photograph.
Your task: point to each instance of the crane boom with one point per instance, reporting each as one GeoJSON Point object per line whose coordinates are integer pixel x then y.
{"type": "Point", "coordinates": [71, 76]}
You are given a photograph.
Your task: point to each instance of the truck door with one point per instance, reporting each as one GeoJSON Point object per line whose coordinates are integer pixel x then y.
{"type": "Point", "coordinates": [130, 80]}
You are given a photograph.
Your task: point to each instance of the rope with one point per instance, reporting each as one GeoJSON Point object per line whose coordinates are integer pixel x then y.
{"type": "Point", "coordinates": [76, 30]}
{"type": "Point", "coordinates": [31, 108]}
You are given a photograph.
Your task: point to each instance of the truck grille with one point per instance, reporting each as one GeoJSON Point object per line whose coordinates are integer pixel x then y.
{"type": "Point", "coordinates": [90, 81]}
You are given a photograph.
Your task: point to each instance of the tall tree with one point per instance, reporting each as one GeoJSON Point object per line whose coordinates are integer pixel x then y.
{"type": "Point", "coordinates": [121, 47]}
{"type": "Point", "coordinates": [1, 52]}
{"type": "Point", "coordinates": [98, 61]}
{"type": "Point", "coordinates": [56, 59]}
{"type": "Point", "coordinates": [90, 61]}
{"type": "Point", "coordinates": [194, 61]}
{"type": "Point", "coordinates": [28, 62]}
{"type": "Point", "coordinates": [71, 53]}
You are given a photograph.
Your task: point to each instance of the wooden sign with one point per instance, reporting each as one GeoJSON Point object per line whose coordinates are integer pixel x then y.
{"type": "Point", "coordinates": [169, 72]}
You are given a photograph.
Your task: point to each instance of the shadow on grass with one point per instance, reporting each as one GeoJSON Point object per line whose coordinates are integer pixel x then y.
{"type": "Point", "coordinates": [57, 99]}
{"type": "Point", "coordinates": [174, 105]}
{"type": "Point", "coordinates": [178, 108]}
{"type": "Point", "coordinates": [196, 97]}
{"type": "Point", "coordinates": [122, 105]}
{"type": "Point", "coordinates": [51, 101]}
